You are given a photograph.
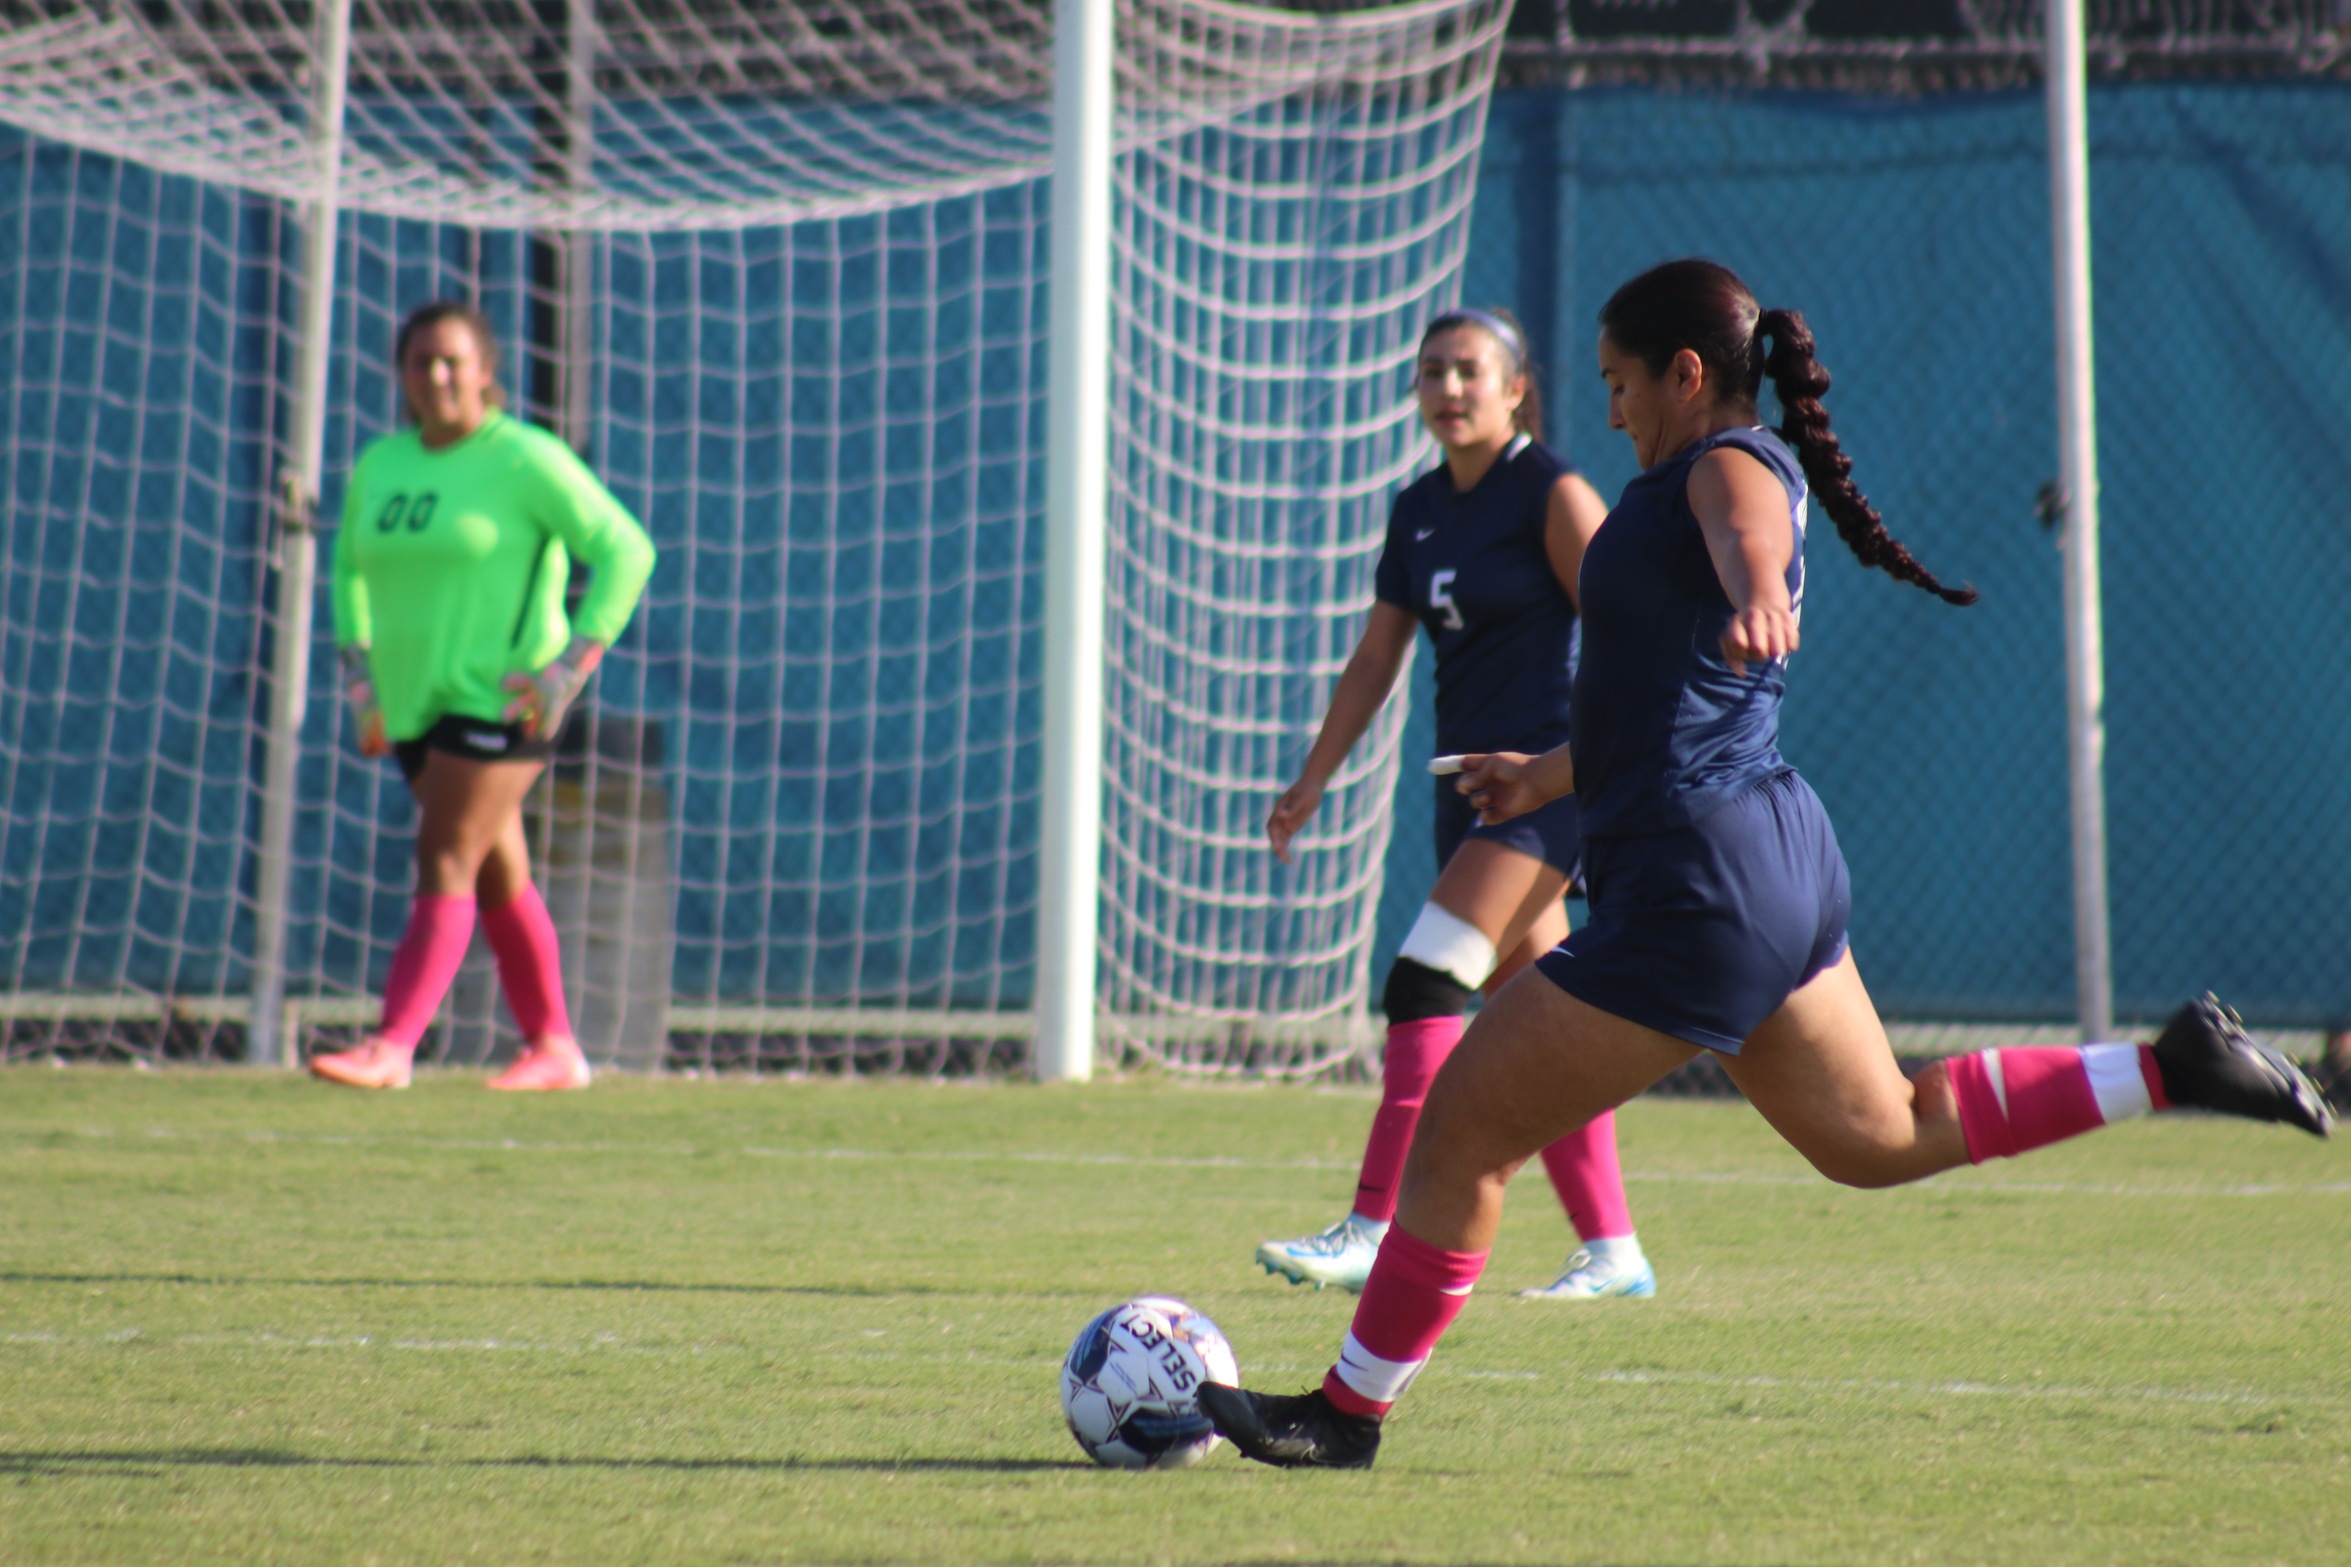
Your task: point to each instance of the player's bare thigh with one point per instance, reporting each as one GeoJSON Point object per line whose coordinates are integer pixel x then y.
{"type": "Point", "coordinates": [463, 808]}
{"type": "Point", "coordinates": [1535, 1065]}
{"type": "Point", "coordinates": [506, 869]}
{"type": "Point", "coordinates": [1500, 890]}
{"type": "Point", "coordinates": [1546, 927]}
{"type": "Point", "coordinates": [1821, 1071]}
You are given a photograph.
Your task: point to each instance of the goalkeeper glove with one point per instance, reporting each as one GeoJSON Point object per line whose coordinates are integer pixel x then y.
{"type": "Point", "coordinates": [359, 690]}
{"type": "Point", "coordinates": [541, 700]}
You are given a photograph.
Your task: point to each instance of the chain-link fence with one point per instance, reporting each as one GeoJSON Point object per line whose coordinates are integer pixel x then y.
{"type": "Point", "coordinates": [1914, 234]}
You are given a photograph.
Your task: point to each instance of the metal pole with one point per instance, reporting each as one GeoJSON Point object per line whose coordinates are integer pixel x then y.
{"type": "Point", "coordinates": [2077, 437]}
{"type": "Point", "coordinates": [266, 1040]}
{"type": "Point", "coordinates": [579, 155]}
{"type": "Point", "coordinates": [1076, 486]}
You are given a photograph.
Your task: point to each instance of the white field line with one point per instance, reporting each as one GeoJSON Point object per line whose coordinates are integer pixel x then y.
{"type": "Point", "coordinates": [610, 1343]}
{"type": "Point", "coordinates": [1877, 1387]}
{"type": "Point", "coordinates": [1958, 1182]}
{"type": "Point", "coordinates": [141, 1338]}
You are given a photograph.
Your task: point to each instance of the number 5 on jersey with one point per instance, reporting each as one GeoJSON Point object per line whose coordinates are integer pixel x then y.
{"type": "Point", "coordinates": [1441, 598]}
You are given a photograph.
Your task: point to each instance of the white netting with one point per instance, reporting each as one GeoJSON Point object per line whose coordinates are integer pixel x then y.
{"type": "Point", "coordinates": [634, 115]}
{"type": "Point", "coordinates": [1272, 275]}
{"type": "Point", "coordinates": [781, 269]}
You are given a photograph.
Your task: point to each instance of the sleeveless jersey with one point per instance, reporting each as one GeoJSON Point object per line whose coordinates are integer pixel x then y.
{"type": "Point", "coordinates": [1664, 733]}
{"type": "Point", "coordinates": [450, 566]}
{"type": "Point", "coordinates": [1472, 568]}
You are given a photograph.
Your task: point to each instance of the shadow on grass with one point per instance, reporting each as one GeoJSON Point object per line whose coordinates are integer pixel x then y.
{"type": "Point", "coordinates": [617, 1286]}
{"type": "Point", "coordinates": [160, 1459]}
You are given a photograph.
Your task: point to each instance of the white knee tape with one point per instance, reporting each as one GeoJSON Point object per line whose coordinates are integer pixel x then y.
{"type": "Point", "coordinates": [1450, 945]}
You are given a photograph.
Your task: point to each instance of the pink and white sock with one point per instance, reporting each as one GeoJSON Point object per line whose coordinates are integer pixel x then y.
{"type": "Point", "coordinates": [1414, 1293]}
{"type": "Point", "coordinates": [426, 961]}
{"type": "Point", "coordinates": [1590, 1182]}
{"type": "Point", "coordinates": [1415, 1051]}
{"type": "Point", "coordinates": [2018, 1099]}
{"type": "Point", "coordinates": [530, 965]}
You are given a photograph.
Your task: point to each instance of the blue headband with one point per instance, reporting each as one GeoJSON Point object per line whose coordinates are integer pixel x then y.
{"type": "Point", "coordinates": [1504, 333]}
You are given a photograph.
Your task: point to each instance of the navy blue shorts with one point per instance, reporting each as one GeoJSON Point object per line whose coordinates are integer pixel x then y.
{"type": "Point", "coordinates": [1548, 834]}
{"type": "Point", "coordinates": [1704, 931]}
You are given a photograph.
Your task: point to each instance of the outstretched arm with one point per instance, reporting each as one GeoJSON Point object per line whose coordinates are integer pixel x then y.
{"type": "Point", "coordinates": [1743, 513]}
{"type": "Point", "coordinates": [1363, 685]}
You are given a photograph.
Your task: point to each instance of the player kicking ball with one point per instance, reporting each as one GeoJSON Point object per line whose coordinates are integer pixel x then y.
{"type": "Point", "coordinates": [1482, 553]}
{"type": "Point", "coordinates": [1719, 896]}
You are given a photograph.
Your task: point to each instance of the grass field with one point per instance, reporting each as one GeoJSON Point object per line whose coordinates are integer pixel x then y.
{"type": "Point", "coordinates": [246, 1319]}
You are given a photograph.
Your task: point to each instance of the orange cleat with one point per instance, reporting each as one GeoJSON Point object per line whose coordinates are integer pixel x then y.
{"type": "Point", "coordinates": [554, 1062]}
{"type": "Point", "coordinates": [376, 1063]}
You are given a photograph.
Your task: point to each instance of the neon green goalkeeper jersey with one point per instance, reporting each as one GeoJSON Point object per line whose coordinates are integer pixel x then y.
{"type": "Point", "coordinates": [450, 567]}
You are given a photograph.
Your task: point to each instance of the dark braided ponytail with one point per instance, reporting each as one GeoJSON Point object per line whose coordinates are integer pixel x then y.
{"type": "Point", "coordinates": [1704, 307]}
{"type": "Point", "coordinates": [1801, 382]}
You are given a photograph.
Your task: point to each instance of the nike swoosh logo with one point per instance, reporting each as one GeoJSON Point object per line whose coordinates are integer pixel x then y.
{"type": "Point", "coordinates": [1423, 533]}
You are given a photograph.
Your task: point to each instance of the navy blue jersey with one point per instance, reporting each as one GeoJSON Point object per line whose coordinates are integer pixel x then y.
{"type": "Point", "coordinates": [1664, 733]}
{"type": "Point", "coordinates": [1473, 569]}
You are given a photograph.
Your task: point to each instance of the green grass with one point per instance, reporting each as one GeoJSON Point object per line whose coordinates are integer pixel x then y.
{"type": "Point", "coordinates": [244, 1318]}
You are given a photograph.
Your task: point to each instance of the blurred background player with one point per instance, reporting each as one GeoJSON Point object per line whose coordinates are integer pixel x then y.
{"type": "Point", "coordinates": [1483, 551]}
{"type": "Point", "coordinates": [1719, 896]}
{"type": "Point", "coordinates": [458, 658]}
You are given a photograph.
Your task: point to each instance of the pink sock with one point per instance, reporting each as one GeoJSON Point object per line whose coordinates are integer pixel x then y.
{"type": "Point", "coordinates": [427, 959]}
{"type": "Point", "coordinates": [1589, 1181]}
{"type": "Point", "coordinates": [1415, 1051]}
{"type": "Point", "coordinates": [530, 965]}
{"type": "Point", "coordinates": [1414, 1293]}
{"type": "Point", "coordinates": [2016, 1099]}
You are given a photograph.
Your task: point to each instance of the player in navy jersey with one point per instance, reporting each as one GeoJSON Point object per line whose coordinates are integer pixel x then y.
{"type": "Point", "coordinates": [1719, 897]}
{"type": "Point", "coordinates": [1482, 552]}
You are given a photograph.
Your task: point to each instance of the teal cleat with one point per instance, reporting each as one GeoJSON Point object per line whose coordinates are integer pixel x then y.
{"type": "Point", "coordinates": [1599, 1276]}
{"type": "Point", "coordinates": [1340, 1255]}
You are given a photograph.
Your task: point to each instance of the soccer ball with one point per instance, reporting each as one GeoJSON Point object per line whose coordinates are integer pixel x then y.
{"type": "Point", "coordinates": [1131, 1384]}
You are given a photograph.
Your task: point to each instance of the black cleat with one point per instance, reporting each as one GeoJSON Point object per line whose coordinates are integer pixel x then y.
{"type": "Point", "coordinates": [1299, 1431]}
{"type": "Point", "coordinates": [2210, 1062]}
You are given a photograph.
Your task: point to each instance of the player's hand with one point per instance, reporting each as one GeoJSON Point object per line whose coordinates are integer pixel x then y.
{"type": "Point", "coordinates": [542, 699]}
{"type": "Point", "coordinates": [359, 693]}
{"type": "Point", "coordinates": [1291, 812]}
{"type": "Point", "coordinates": [1758, 634]}
{"type": "Point", "coordinates": [1500, 785]}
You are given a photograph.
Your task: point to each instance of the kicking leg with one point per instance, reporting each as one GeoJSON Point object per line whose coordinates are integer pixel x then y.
{"type": "Point", "coordinates": [1536, 1063]}
{"type": "Point", "coordinates": [1822, 1073]}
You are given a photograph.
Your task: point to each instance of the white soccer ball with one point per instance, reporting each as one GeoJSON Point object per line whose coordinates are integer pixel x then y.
{"type": "Point", "coordinates": [1131, 1384]}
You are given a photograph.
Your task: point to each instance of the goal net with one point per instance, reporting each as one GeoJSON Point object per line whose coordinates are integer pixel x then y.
{"type": "Point", "coordinates": [780, 270]}
{"type": "Point", "coordinates": [1272, 273]}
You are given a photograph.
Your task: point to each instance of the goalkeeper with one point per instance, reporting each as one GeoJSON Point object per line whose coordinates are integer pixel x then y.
{"type": "Point", "coordinates": [457, 540]}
